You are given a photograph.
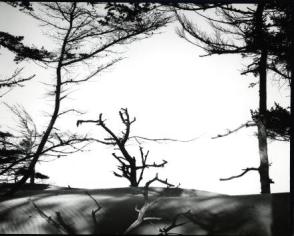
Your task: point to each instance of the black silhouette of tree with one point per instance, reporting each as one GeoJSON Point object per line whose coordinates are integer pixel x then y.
{"type": "Point", "coordinates": [129, 167]}
{"type": "Point", "coordinates": [87, 34]}
{"type": "Point", "coordinates": [17, 148]}
{"type": "Point", "coordinates": [12, 154]}
{"type": "Point", "coordinates": [244, 31]}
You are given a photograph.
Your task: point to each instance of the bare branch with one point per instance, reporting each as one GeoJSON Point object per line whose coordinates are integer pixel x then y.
{"type": "Point", "coordinates": [49, 219]}
{"type": "Point", "coordinates": [165, 230]}
{"type": "Point", "coordinates": [141, 217]}
{"type": "Point", "coordinates": [98, 70]}
{"type": "Point", "coordinates": [246, 125]}
{"type": "Point", "coordinates": [14, 80]}
{"type": "Point", "coordinates": [152, 165]}
{"type": "Point", "coordinates": [146, 206]}
{"type": "Point", "coordinates": [194, 6]}
{"type": "Point", "coordinates": [71, 110]}
{"type": "Point", "coordinates": [94, 212]}
{"type": "Point", "coordinates": [163, 139]}
{"type": "Point", "coordinates": [120, 159]}
{"type": "Point", "coordinates": [240, 175]}
{"type": "Point", "coordinates": [68, 228]}
{"type": "Point", "coordinates": [146, 187]}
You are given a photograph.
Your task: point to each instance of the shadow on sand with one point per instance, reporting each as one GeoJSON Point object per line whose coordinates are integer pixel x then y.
{"type": "Point", "coordinates": [211, 214]}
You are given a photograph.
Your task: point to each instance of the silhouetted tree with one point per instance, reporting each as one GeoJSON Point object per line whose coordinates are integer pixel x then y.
{"type": "Point", "coordinates": [11, 154]}
{"type": "Point", "coordinates": [246, 32]}
{"type": "Point", "coordinates": [17, 149]}
{"type": "Point", "coordinates": [128, 167]}
{"type": "Point", "coordinates": [86, 32]}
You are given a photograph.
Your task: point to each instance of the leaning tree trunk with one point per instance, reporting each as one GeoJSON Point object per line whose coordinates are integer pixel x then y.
{"type": "Point", "coordinates": [53, 118]}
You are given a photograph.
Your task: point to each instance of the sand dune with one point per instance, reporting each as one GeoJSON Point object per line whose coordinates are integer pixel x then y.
{"type": "Point", "coordinates": [212, 213]}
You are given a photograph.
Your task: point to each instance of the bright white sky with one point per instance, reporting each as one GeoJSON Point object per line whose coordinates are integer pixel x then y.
{"type": "Point", "coordinates": [173, 93]}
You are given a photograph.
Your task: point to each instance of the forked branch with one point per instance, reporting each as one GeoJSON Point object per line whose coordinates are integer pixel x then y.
{"type": "Point", "coordinates": [156, 178]}
{"type": "Point", "coordinates": [128, 167]}
{"type": "Point", "coordinates": [147, 204]}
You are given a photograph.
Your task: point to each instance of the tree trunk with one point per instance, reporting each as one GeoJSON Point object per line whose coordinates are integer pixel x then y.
{"type": "Point", "coordinates": [292, 141]}
{"type": "Point", "coordinates": [261, 120]}
{"type": "Point", "coordinates": [133, 174]}
{"type": "Point", "coordinates": [32, 177]}
{"type": "Point", "coordinates": [291, 67]}
{"type": "Point", "coordinates": [53, 118]}
{"type": "Point", "coordinates": [261, 126]}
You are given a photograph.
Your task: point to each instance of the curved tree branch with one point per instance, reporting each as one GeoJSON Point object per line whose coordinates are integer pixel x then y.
{"type": "Point", "coordinates": [240, 175]}
{"type": "Point", "coordinates": [246, 125]}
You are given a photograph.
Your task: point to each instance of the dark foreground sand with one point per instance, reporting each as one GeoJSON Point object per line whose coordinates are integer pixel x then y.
{"type": "Point", "coordinates": [213, 214]}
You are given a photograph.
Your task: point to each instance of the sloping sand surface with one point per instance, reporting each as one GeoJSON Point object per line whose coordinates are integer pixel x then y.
{"type": "Point", "coordinates": [212, 213]}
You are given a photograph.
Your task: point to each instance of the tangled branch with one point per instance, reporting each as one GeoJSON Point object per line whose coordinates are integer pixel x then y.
{"type": "Point", "coordinates": [128, 167]}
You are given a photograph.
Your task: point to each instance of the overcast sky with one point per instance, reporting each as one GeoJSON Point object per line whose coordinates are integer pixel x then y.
{"type": "Point", "coordinates": [173, 93]}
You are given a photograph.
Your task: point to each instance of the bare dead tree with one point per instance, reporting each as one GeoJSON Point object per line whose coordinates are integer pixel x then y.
{"type": "Point", "coordinates": [128, 167]}
{"type": "Point", "coordinates": [86, 33]}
